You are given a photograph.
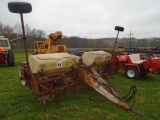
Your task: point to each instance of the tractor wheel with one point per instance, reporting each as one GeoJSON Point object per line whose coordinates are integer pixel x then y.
{"type": "Point", "coordinates": [11, 60]}
{"type": "Point", "coordinates": [132, 72]}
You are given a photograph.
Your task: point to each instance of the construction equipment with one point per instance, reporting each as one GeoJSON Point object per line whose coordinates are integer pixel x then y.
{"type": "Point", "coordinates": [49, 73]}
{"type": "Point", "coordinates": [50, 45]}
{"type": "Point", "coordinates": [6, 55]}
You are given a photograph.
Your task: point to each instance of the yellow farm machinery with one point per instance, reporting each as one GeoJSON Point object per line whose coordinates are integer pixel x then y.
{"type": "Point", "coordinates": [51, 45]}
{"type": "Point", "coordinates": [56, 70]}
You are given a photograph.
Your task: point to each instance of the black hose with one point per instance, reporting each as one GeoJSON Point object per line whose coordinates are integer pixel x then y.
{"type": "Point", "coordinates": [128, 98]}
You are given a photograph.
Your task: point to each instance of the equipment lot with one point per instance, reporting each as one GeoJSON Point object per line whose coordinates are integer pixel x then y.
{"type": "Point", "coordinates": [19, 102]}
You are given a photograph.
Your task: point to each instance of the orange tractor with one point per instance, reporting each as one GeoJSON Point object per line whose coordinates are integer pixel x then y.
{"type": "Point", "coordinates": [135, 65]}
{"type": "Point", "coordinates": [47, 74]}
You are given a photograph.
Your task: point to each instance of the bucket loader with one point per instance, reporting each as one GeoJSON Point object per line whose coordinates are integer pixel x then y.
{"type": "Point", "coordinates": [49, 73]}
{"type": "Point", "coordinates": [51, 45]}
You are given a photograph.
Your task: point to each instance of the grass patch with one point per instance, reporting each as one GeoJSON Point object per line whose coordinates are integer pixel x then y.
{"type": "Point", "coordinates": [18, 102]}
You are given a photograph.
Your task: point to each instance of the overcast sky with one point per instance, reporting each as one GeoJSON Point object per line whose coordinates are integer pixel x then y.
{"type": "Point", "coordinates": [90, 18]}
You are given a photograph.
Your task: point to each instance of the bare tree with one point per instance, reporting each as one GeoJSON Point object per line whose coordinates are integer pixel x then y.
{"type": "Point", "coordinates": [8, 31]}
{"type": "Point", "coordinates": [41, 34]}
{"type": "Point", "coordinates": [18, 32]}
{"type": "Point", "coordinates": [28, 30]}
{"type": "Point", "coordinates": [17, 29]}
{"type": "Point", "coordinates": [1, 28]}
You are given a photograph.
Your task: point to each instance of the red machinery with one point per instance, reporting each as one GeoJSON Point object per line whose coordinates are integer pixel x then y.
{"type": "Point", "coordinates": [6, 55]}
{"type": "Point", "coordinates": [49, 73]}
{"type": "Point", "coordinates": [135, 65]}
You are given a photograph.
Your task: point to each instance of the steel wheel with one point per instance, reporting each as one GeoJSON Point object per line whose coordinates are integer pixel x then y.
{"type": "Point", "coordinates": [132, 72]}
{"type": "Point", "coordinates": [22, 77]}
{"type": "Point", "coordinates": [42, 100]}
{"type": "Point", "coordinates": [49, 97]}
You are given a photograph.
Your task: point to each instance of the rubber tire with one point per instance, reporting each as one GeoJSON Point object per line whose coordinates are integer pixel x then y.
{"type": "Point", "coordinates": [11, 60]}
{"type": "Point", "coordinates": [134, 74]}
